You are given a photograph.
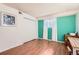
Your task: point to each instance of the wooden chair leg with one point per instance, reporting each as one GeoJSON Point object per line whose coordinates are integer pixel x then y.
{"type": "Point", "coordinates": [69, 51]}
{"type": "Point", "coordinates": [77, 52]}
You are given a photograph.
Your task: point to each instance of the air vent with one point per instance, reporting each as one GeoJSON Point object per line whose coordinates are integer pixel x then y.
{"type": "Point", "coordinates": [20, 12]}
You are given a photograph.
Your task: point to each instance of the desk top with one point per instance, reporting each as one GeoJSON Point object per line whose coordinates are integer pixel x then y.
{"type": "Point", "coordinates": [74, 42]}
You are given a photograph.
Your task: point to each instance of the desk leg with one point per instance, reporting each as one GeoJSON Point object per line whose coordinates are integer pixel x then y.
{"type": "Point", "coordinates": [74, 51]}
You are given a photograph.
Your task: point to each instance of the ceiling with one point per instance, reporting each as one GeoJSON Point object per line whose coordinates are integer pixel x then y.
{"type": "Point", "coordinates": [41, 9]}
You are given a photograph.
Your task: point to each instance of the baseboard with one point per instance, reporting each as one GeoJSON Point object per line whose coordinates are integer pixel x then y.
{"type": "Point", "coordinates": [60, 41]}
{"type": "Point", "coordinates": [18, 44]}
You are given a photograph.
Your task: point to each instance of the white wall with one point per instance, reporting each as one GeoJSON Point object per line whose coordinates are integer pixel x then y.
{"type": "Point", "coordinates": [24, 30]}
{"type": "Point", "coordinates": [77, 22]}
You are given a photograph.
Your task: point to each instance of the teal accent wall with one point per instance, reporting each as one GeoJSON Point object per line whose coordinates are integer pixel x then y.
{"type": "Point", "coordinates": [40, 28]}
{"type": "Point", "coordinates": [65, 24]}
{"type": "Point", "coordinates": [49, 33]}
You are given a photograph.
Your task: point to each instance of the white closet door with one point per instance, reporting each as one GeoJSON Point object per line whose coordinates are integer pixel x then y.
{"type": "Point", "coordinates": [50, 23]}
{"type": "Point", "coordinates": [54, 29]}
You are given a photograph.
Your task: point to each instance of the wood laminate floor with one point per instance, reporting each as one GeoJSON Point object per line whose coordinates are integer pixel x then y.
{"type": "Point", "coordinates": [38, 47]}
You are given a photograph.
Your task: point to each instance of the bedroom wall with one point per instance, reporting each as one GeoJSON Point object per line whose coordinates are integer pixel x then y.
{"type": "Point", "coordinates": [62, 25]}
{"type": "Point", "coordinates": [24, 30]}
{"type": "Point", "coordinates": [61, 15]}
{"type": "Point", "coordinates": [65, 24]}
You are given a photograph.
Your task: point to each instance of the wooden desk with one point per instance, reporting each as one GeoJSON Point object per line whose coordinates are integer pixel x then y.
{"type": "Point", "coordinates": [67, 43]}
{"type": "Point", "coordinates": [74, 43]}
